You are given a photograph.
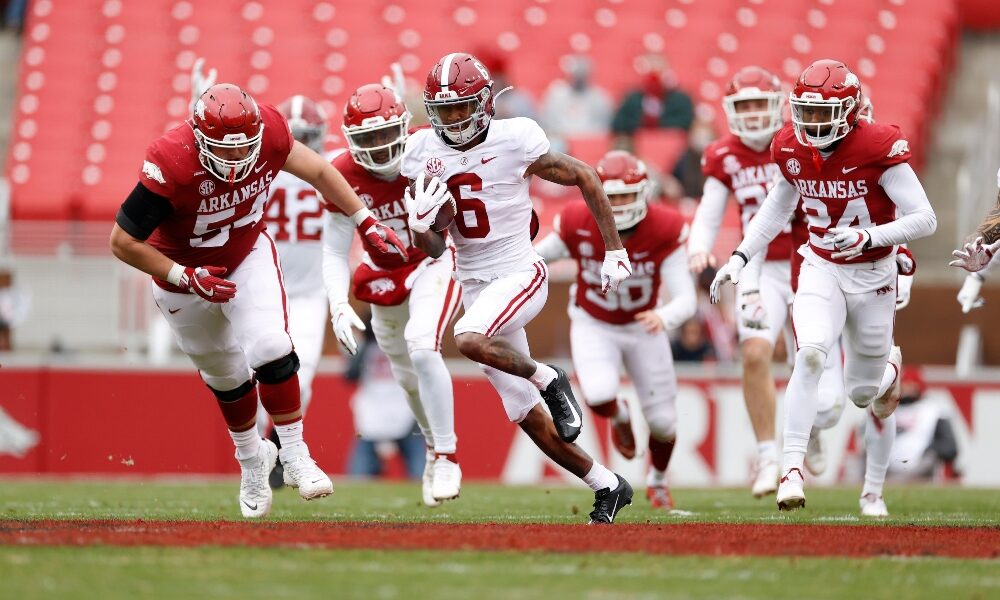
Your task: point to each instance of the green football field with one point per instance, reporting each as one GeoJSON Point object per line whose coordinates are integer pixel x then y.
{"type": "Point", "coordinates": [85, 567]}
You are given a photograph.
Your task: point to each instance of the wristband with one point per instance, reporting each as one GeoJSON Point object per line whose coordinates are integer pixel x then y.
{"type": "Point", "coordinates": [175, 274]}
{"type": "Point", "coordinates": [360, 216]}
{"type": "Point", "coordinates": [746, 261]}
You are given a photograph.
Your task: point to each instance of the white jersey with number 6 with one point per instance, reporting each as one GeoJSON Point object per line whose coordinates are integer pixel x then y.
{"type": "Point", "coordinates": [491, 227]}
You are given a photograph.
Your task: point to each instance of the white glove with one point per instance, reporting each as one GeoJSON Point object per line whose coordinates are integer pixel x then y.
{"type": "Point", "coordinates": [974, 255]}
{"type": "Point", "coordinates": [199, 81]}
{"type": "Point", "coordinates": [615, 270]}
{"type": "Point", "coordinates": [903, 285]}
{"type": "Point", "coordinates": [753, 314]}
{"type": "Point", "coordinates": [729, 272]}
{"type": "Point", "coordinates": [969, 296]}
{"type": "Point", "coordinates": [851, 242]}
{"type": "Point", "coordinates": [345, 320]}
{"type": "Point", "coordinates": [426, 204]}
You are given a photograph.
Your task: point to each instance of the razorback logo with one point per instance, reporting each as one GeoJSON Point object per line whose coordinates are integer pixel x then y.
{"type": "Point", "coordinates": [899, 148]}
{"type": "Point", "coordinates": [381, 286]}
{"type": "Point", "coordinates": [885, 289]}
{"type": "Point", "coordinates": [153, 172]}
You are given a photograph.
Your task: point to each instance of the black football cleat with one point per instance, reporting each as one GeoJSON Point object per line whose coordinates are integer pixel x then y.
{"type": "Point", "coordinates": [562, 405]}
{"type": "Point", "coordinates": [608, 502]}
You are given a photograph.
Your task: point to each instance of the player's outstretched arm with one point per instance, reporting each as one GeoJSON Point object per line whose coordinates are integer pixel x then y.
{"type": "Point", "coordinates": [706, 224]}
{"type": "Point", "coordinates": [772, 217]}
{"type": "Point", "coordinates": [977, 253]}
{"type": "Point", "coordinates": [312, 168]}
{"type": "Point", "coordinates": [137, 253]}
{"type": "Point", "coordinates": [916, 216]}
{"type": "Point", "coordinates": [989, 229]}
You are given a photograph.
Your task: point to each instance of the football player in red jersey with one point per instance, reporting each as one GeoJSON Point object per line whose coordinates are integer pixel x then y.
{"type": "Point", "coordinates": [628, 327]}
{"type": "Point", "coordinates": [483, 166]}
{"type": "Point", "coordinates": [862, 200]}
{"type": "Point", "coordinates": [740, 165]}
{"type": "Point", "coordinates": [413, 301]}
{"type": "Point", "coordinates": [194, 222]}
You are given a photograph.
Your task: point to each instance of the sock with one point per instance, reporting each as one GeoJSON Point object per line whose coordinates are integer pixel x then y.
{"type": "Point", "coordinates": [437, 397]}
{"type": "Point", "coordinates": [247, 443]}
{"type": "Point", "coordinates": [888, 378]}
{"type": "Point", "coordinates": [656, 478]}
{"type": "Point", "coordinates": [290, 435]}
{"type": "Point", "coordinates": [599, 478]}
{"type": "Point", "coordinates": [280, 399]}
{"type": "Point", "coordinates": [543, 375]}
{"type": "Point", "coordinates": [767, 452]}
{"type": "Point", "coordinates": [659, 453]}
{"type": "Point", "coordinates": [879, 436]}
{"type": "Point", "coordinates": [801, 398]}
{"type": "Point", "coordinates": [273, 436]}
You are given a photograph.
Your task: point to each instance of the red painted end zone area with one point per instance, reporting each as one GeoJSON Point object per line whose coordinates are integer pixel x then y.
{"type": "Point", "coordinates": [691, 538]}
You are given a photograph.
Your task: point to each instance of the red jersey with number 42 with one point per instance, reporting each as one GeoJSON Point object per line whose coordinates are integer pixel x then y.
{"type": "Point", "coordinates": [385, 199]}
{"type": "Point", "coordinates": [749, 175]}
{"type": "Point", "coordinates": [843, 190]}
{"type": "Point", "coordinates": [213, 223]}
{"type": "Point", "coordinates": [654, 239]}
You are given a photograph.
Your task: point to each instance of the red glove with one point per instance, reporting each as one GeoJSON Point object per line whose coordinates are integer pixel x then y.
{"type": "Point", "coordinates": [207, 283]}
{"type": "Point", "coordinates": [380, 236]}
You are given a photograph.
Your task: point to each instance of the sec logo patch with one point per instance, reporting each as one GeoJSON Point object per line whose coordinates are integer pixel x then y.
{"type": "Point", "coordinates": [793, 166]}
{"type": "Point", "coordinates": [207, 187]}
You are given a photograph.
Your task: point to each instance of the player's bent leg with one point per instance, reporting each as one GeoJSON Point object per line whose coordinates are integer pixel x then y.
{"type": "Point", "coordinates": [879, 437]}
{"type": "Point", "coordinates": [832, 398]}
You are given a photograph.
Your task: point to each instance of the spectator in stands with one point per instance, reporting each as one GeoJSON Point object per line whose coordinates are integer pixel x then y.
{"type": "Point", "coordinates": [691, 344]}
{"type": "Point", "coordinates": [383, 421]}
{"type": "Point", "coordinates": [15, 303]}
{"type": "Point", "coordinates": [575, 106]}
{"type": "Point", "coordinates": [687, 169]}
{"type": "Point", "coordinates": [925, 440]}
{"type": "Point", "coordinates": [656, 103]}
{"type": "Point", "coordinates": [513, 102]}
{"type": "Point", "coordinates": [13, 14]}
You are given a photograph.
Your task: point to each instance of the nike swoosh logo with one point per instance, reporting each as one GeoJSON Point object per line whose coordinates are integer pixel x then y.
{"type": "Point", "coordinates": [486, 160]}
{"type": "Point", "coordinates": [257, 170]}
{"type": "Point", "coordinates": [250, 506]}
{"type": "Point", "coordinates": [172, 310]}
{"type": "Point", "coordinates": [624, 266]}
{"type": "Point", "coordinates": [846, 170]}
{"type": "Point", "coordinates": [421, 216]}
{"type": "Point", "coordinates": [613, 509]}
{"type": "Point", "coordinates": [576, 415]}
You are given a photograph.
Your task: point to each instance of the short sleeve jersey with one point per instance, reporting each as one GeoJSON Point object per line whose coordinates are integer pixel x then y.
{"type": "Point", "coordinates": [213, 222]}
{"type": "Point", "coordinates": [492, 223]}
{"type": "Point", "coordinates": [662, 231]}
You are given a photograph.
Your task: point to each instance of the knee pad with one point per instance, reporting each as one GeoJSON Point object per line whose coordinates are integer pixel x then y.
{"type": "Point", "coordinates": [811, 358]}
{"type": "Point", "coordinates": [234, 394]}
{"type": "Point", "coordinates": [278, 371]}
{"type": "Point", "coordinates": [862, 395]}
{"type": "Point", "coordinates": [662, 424]}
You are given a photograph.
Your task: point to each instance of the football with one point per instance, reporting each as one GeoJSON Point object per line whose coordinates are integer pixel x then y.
{"type": "Point", "coordinates": [445, 215]}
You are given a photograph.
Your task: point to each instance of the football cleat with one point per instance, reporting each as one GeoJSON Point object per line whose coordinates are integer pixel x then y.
{"type": "Point", "coordinates": [886, 404]}
{"type": "Point", "coordinates": [766, 481]}
{"type": "Point", "coordinates": [562, 405]}
{"type": "Point", "coordinates": [659, 497]}
{"type": "Point", "coordinates": [302, 472]}
{"type": "Point", "coordinates": [255, 493]}
{"type": "Point", "coordinates": [790, 493]}
{"type": "Point", "coordinates": [621, 432]}
{"type": "Point", "coordinates": [873, 506]}
{"type": "Point", "coordinates": [815, 455]}
{"type": "Point", "coordinates": [427, 481]}
{"type": "Point", "coordinates": [608, 502]}
{"type": "Point", "coordinates": [447, 479]}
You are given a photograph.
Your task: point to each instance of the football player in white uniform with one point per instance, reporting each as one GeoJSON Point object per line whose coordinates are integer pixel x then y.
{"type": "Point", "coordinates": [413, 301]}
{"type": "Point", "coordinates": [976, 257]}
{"type": "Point", "coordinates": [481, 167]}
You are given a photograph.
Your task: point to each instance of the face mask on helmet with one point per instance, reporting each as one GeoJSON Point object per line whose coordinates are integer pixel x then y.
{"type": "Point", "coordinates": [459, 120]}
{"type": "Point", "coordinates": [231, 159]}
{"type": "Point", "coordinates": [312, 136]}
{"type": "Point", "coordinates": [754, 116]}
{"type": "Point", "coordinates": [629, 203]}
{"type": "Point", "coordinates": [819, 122]}
{"type": "Point", "coordinates": [378, 146]}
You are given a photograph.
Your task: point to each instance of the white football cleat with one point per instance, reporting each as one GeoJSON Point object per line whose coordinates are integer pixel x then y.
{"type": "Point", "coordinates": [302, 472]}
{"type": "Point", "coordinates": [815, 455]}
{"type": "Point", "coordinates": [873, 506]}
{"type": "Point", "coordinates": [790, 493]}
{"type": "Point", "coordinates": [447, 479]}
{"type": "Point", "coordinates": [255, 492]}
{"type": "Point", "coordinates": [886, 404]}
{"type": "Point", "coordinates": [427, 482]}
{"type": "Point", "coordinates": [766, 482]}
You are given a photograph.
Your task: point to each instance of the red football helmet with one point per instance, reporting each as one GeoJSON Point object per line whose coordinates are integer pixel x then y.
{"type": "Point", "coordinates": [306, 119]}
{"type": "Point", "coordinates": [459, 98]}
{"type": "Point", "coordinates": [826, 103]}
{"type": "Point", "coordinates": [228, 130]}
{"type": "Point", "coordinates": [753, 104]}
{"type": "Point", "coordinates": [376, 125]}
{"type": "Point", "coordinates": [622, 174]}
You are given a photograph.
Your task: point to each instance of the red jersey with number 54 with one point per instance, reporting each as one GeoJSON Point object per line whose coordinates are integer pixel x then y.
{"type": "Point", "coordinates": [749, 175]}
{"type": "Point", "coordinates": [213, 223]}
{"type": "Point", "coordinates": [843, 189]}
{"type": "Point", "coordinates": [662, 231]}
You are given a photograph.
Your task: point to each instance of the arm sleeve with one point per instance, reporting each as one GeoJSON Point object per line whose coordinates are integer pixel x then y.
{"type": "Point", "coordinates": [142, 212]}
{"type": "Point", "coordinates": [338, 233]}
{"type": "Point", "coordinates": [771, 218]}
{"type": "Point", "coordinates": [916, 217]}
{"type": "Point", "coordinates": [683, 299]}
{"type": "Point", "coordinates": [708, 217]}
{"type": "Point", "coordinates": [552, 248]}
